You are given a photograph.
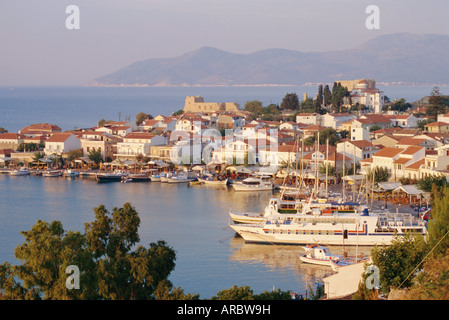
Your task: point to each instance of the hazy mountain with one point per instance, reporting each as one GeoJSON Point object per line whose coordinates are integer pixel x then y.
{"type": "Point", "coordinates": [387, 58]}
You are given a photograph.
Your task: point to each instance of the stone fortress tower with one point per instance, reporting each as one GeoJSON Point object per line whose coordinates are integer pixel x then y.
{"type": "Point", "coordinates": [197, 104]}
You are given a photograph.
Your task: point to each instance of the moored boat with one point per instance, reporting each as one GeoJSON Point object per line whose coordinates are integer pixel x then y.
{"type": "Point", "coordinates": [213, 181]}
{"type": "Point", "coordinates": [137, 177]}
{"type": "Point", "coordinates": [71, 173]}
{"type": "Point", "coordinates": [180, 178]}
{"type": "Point", "coordinates": [291, 208]}
{"type": "Point", "coordinates": [52, 173]}
{"type": "Point", "coordinates": [115, 176]}
{"type": "Point", "coordinates": [155, 178]}
{"type": "Point", "coordinates": [20, 172]}
{"type": "Point", "coordinates": [320, 255]}
{"type": "Point", "coordinates": [364, 229]}
{"type": "Point", "coordinates": [254, 184]}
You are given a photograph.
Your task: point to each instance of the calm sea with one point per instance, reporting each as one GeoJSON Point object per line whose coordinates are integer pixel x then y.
{"type": "Point", "coordinates": [193, 220]}
{"type": "Point", "coordinates": [81, 107]}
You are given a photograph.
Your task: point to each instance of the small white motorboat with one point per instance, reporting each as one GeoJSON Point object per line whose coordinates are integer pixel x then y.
{"type": "Point", "coordinates": [20, 172]}
{"type": "Point", "coordinates": [71, 173]}
{"type": "Point", "coordinates": [52, 173]}
{"type": "Point", "coordinates": [319, 255]}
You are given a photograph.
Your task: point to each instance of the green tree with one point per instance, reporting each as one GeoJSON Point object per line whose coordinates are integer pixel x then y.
{"type": "Point", "coordinates": [74, 154]}
{"type": "Point", "coordinates": [398, 261]}
{"type": "Point", "coordinates": [399, 105]}
{"type": "Point", "coordinates": [438, 225]}
{"type": "Point", "coordinates": [235, 293]}
{"type": "Point", "coordinates": [425, 184]}
{"type": "Point", "coordinates": [141, 116]}
{"type": "Point", "coordinates": [326, 134]}
{"type": "Point", "coordinates": [27, 147]}
{"type": "Point", "coordinates": [307, 106]}
{"type": "Point", "coordinates": [327, 168]}
{"type": "Point", "coordinates": [95, 156]}
{"type": "Point", "coordinates": [177, 113]}
{"type": "Point", "coordinates": [255, 107]}
{"type": "Point", "coordinates": [109, 268]}
{"type": "Point", "coordinates": [380, 174]}
{"type": "Point", "coordinates": [45, 254]}
{"type": "Point", "coordinates": [338, 93]}
{"type": "Point", "coordinates": [320, 95]}
{"type": "Point", "coordinates": [165, 291]}
{"type": "Point", "coordinates": [327, 95]}
{"type": "Point", "coordinates": [290, 101]}
{"type": "Point", "coordinates": [432, 282]}
{"type": "Point", "coordinates": [277, 294]}
{"type": "Point", "coordinates": [37, 156]}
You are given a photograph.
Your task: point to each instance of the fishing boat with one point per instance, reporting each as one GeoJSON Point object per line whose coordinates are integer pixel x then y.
{"type": "Point", "coordinates": [20, 172]}
{"type": "Point", "coordinates": [71, 173]}
{"type": "Point", "coordinates": [115, 176]}
{"type": "Point", "coordinates": [364, 229]}
{"type": "Point", "coordinates": [320, 255]}
{"type": "Point", "coordinates": [213, 181]}
{"type": "Point", "coordinates": [195, 182]}
{"type": "Point", "coordinates": [180, 178]}
{"type": "Point", "coordinates": [36, 172]}
{"type": "Point", "coordinates": [262, 183]}
{"type": "Point", "coordinates": [137, 177]}
{"type": "Point", "coordinates": [346, 261]}
{"type": "Point", "coordinates": [52, 173]}
{"type": "Point", "coordinates": [164, 176]}
{"type": "Point", "coordinates": [155, 178]}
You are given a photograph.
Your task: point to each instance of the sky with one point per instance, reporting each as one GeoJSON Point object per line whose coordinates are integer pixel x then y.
{"type": "Point", "coordinates": [37, 49]}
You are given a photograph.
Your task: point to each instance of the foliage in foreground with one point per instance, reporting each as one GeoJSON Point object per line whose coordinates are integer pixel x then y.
{"type": "Point", "coordinates": [110, 269]}
{"type": "Point", "coordinates": [417, 266]}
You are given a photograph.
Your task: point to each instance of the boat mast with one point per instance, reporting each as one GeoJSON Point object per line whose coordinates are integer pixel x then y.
{"type": "Point", "coordinates": [316, 163]}
{"type": "Point", "coordinates": [327, 165]}
{"type": "Point", "coordinates": [344, 170]}
{"type": "Point", "coordinates": [353, 175]}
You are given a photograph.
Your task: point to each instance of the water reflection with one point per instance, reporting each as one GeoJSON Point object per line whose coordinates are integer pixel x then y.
{"type": "Point", "coordinates": [193, 220]}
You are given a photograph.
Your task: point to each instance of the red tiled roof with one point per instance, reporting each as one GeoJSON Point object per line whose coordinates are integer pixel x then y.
{"type": "Point", "coordinates": [59, 137]}
{"type": "Point", "coordinates": [139, 135]}
{"type": "Point", "coordinates": [416, 165]}
{"type": "Point", "coordinates": [388, 152]}
{"type": "Point", "coordinates": [412, 150]}
{"type": "Point", "coordinates": [437, 124]}
{"type": "Point", "coordinates": [12, 136]}
{"type": "Point", "coordinates": [411, 141]}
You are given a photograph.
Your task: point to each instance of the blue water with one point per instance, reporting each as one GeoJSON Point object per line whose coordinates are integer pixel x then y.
{"type": "Point", "coordinates": [81, 107]}
{"type": "Point", "coordinates": [193, 220]}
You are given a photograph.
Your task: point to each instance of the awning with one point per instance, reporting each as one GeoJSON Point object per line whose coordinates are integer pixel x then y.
{"type": "Point", "coordinates": [409, 189]}
{"type": "Point", "coordinates": [388, 186]}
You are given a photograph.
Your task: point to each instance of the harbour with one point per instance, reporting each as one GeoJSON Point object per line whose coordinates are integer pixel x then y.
{"type": "Point", "coordinates": [209, 256]}
{"type": "Point", "coordinates": [192, 213]}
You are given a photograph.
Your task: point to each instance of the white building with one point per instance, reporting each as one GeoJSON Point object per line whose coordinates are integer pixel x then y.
{"type": "Point", "coordinates": [137, 143]}
{"type": "Point", "coordinates": [309, 118]}
{"type": "Point", "coordinates": [360, 149]}
{"type": "Point", "coordinates": [372, 98]}
{"type": "Point", "coordinates": [60, 143]}
{"type": "Point", "coordinates": [335, 120]}
{"type": "Point", "coordinates": [403, 120]}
